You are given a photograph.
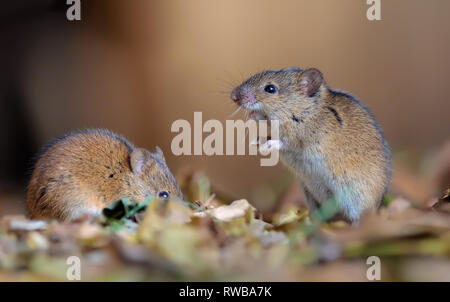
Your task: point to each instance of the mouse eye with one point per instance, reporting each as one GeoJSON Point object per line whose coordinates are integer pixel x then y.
{"type": "Point", "coordinates": [163, 194]}
{"type": "Point", "coordinates": [270, 89]}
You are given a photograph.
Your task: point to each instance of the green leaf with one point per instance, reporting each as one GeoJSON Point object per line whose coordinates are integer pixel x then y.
{"type": "Point", "coordinates": [125, 208]}
{"type": "Point", "coordinates": [387, 198]}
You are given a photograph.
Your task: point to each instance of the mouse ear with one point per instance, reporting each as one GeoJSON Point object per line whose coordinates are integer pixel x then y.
{"type": "Point", "coordinates": [310, 81]}
{"type": "Point", "coordinates": [139, 159]}
{"type": "Point", "coordinates": [159, 154]}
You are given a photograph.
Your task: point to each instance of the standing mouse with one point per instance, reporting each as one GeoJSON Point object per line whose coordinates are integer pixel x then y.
{"type": "Point", "coordinates": [327, 137]}
{"type": "Point", "coordinates": [85, 171]}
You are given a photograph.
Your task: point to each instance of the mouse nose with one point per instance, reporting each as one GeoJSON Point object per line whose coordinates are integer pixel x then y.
{"type": "Point", "coordinates": [235, 96]}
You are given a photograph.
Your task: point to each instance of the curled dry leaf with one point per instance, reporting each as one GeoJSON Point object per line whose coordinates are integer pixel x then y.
{"type": "Point", "coordinates": [37, 241]}
{"type": "Point", "coordinates": [19, 223]}
{"type": "Point", "coordinates": [442, 204]}
{"type": "Point", "coordinates": [397, 206]}
{"type": "Point", "coordinates": [446, 195]}
{"type": "Point", "coordinates": [289, 216]}
{"type": "Point", "coordinates": [238, 208]}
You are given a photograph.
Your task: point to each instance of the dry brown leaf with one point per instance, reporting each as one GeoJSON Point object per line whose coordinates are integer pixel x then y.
{"type": "Point", "coordinates": [236, 209]}
{"type": "Point", "coordinates": [20, 223]}
{"type": "Point", "coordinates": [397, 206]}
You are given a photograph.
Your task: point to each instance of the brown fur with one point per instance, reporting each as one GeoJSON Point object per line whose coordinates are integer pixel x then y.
{"type": "Point", "coordinates": [85, 171]}
{"type": "Point", "coordinates": [329, 139]}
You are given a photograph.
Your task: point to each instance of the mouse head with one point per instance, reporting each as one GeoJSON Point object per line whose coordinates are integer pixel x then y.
{"type": "Point", "coordinates": [152, 175]}
{"type": "Point", "coordinates": [269, 93]}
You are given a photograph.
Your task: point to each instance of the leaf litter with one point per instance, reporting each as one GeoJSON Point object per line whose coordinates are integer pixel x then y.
{"type": "Point", "coordinates": [216, 240]}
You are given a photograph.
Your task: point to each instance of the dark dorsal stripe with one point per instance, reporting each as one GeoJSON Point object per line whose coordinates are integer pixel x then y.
{"type": "Point", "coordinates": [336, 115]}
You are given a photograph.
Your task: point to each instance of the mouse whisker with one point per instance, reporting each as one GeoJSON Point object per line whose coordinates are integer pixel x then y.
{"type": "Point", "coordinates": [235, 112]}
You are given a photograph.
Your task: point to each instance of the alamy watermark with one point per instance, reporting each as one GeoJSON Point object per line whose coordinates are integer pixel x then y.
{"type": "Point", "coordinates": [74, 10]}
{"type": "Point", "coordinates": [374, 271]}
{"type": "Point", "coordinates": [73, 13]}
{"type": "Point", "coordinates": [73, 272]}
{"type": "Point", "coordinates": [374, 11]}
{"type": "Point", "coordinates": [190, 140]}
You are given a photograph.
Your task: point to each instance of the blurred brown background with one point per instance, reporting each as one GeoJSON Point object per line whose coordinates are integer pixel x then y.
{"type": "Point", "coordinates": [136, 66]}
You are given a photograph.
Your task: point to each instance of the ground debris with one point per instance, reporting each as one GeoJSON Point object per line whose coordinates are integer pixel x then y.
{"type": "Point", "coordinates": [208, 238]}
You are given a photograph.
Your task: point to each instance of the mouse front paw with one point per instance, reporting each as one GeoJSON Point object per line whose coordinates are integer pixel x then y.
{"type": "Point", "coordinates": [259, 141]}
{"type": "Point", "coordinates": [270, 145]}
